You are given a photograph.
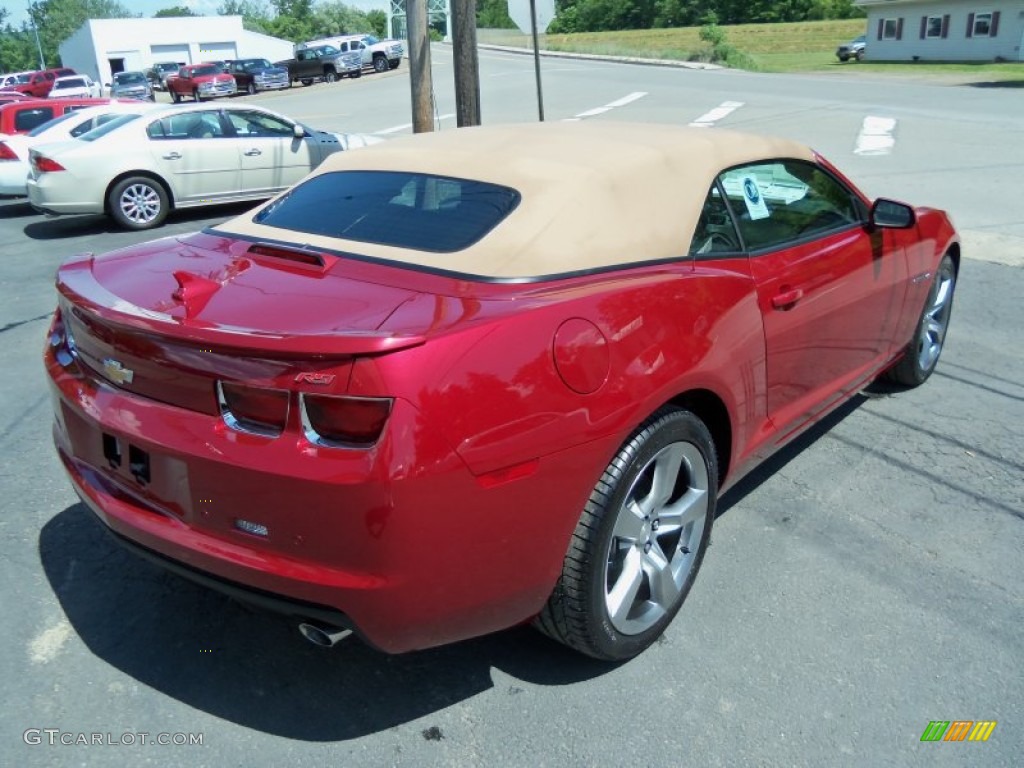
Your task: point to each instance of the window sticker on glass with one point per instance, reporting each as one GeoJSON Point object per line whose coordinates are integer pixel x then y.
{"type": "Point", "coordinates": [756, 206]}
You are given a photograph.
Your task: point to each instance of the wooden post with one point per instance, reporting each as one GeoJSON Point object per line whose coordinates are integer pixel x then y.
{"type": "Point", "coordinates": [467, 63]}
{"type": "Point", "coordinates": [419, 65]}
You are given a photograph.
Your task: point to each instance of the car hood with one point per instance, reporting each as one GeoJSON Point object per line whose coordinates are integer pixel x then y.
{"type": "Point", "coordinates": [275, 70]}
{"type": "Point", "coordinates": [255, 298]}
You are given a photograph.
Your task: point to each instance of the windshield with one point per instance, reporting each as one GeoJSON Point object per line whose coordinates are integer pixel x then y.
{"type": "Point", "coordinates": [370, 40]}
{"type": "Point", "coordinates": [76, 82]}
{"type": "Point", "coordinates": [209, 69]}
{"type": "Point", "coordinates": [258, 64]}
{"type": "Point", "coordinates": [329, 50]}
{"type": "Point", "coordinates": [50, 123]}
{"type": "Point", "coordinates": [127, 78]}
{"type": "Point", "coordinates": [106, 128]}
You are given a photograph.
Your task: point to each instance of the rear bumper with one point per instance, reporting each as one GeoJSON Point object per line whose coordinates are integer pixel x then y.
{"type": "Point", "coordinates": [401, 543]}
{"type": "Point", "coordinates": [58, 199]}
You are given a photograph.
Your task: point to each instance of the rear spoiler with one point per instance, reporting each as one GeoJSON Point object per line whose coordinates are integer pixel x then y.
{"type": "Point", "coordinates": [77, 284]}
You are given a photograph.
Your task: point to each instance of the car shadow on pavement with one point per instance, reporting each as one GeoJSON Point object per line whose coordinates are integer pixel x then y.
{"type": "Point", "coordinates": [15, 207]}
{"type": "Point", "coordinates": [79, 225]}
{"type": "Point", "coordinates": [254, 668]}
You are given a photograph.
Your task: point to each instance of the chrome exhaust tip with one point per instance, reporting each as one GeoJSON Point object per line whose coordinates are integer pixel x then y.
{"type": "Point", "coordinates": [324, 636]}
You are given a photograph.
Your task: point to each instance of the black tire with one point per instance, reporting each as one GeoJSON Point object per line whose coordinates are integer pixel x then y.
{"type": "Point", "coordinates": [859, 56]}
{"type": "Point", "coordinates": [251, 88]}
{"type": "Point", "coordinates": [330, 76]}
{"type": "Point", "coordinates": [394, 64]}
{"type": "Point", "coordinates": [844, 59]}
{"type": "Point", "coordinates": [921, 355]}
{"type": "Point", "coordinates": [380, 63]}
{"type": "Point", "coordinates": [195, 96]}
{"type": "Point", "coordinates": [307, 81]}
{"type": "Point", "coordinates": [138, 202]}
{"type": "Point", "coordinates": [356, 73]}
{"type": "Point", "coordinates": [675, 445]}
{"type": "Point", "coordinates": [175, 97]}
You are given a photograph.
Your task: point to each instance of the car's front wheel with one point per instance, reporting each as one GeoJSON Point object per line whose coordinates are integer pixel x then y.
{"type": "Point", "coordinates": [176, 97]}
{"type": "Point", "coordinates": [251, 89]}
{"type": "Point", "coordinates": [330, 76]}
{"type": "Point", "coordinates": [380, 63]}
{"type": "Point", "coordinates": [921, 355]}
{"type": "Point", "coordinates": [639, 542]}
{"type": "Point", "coordinates": [138, 202]}
{"type": "Point", "coordinates": [859, 55]}
{"type": "Point", "coordinates": [307, 81]}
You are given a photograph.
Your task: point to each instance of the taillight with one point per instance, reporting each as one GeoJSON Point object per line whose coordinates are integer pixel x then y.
{"type": "Point", "coordinates": [340, 421]}
{"type": "Point", "coordinates": [44, 164]}
{"type": "Point", "coordinates": [6, 153]}
{"type": "Point", "coordinates": [258, 410]}
{"type": "Point", "coordinates": [60, 341]}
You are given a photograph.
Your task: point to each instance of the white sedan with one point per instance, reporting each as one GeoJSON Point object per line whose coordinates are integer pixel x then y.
{"type": "Point", "coordinates": [14, 149]}
{"type": "Point", "coordinates": [178, 157]}
{"type": "Point", "coordinates": [75, 87]}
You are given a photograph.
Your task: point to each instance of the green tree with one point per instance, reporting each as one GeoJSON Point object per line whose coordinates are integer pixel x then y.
{"type": "Point", "coordinates": [378, 21]}
{"type": "Point", "coordinates": [336, 18]}
{"type": "Point", "coordinates": [176, 11]}
{"type": "Point", "coordinates": [493, 14]}
{"type": "Point", "coordinates": [255, 16]}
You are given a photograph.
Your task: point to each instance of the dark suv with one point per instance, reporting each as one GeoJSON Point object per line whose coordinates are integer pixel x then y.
{"type": "Point", "coordinates": [158, 73]}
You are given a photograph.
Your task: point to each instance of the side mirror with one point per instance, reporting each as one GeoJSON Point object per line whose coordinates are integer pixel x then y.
{"type": "Point", "coordinates": [889, 214]}
{"type": "Point", "coordinates": [298, 131]}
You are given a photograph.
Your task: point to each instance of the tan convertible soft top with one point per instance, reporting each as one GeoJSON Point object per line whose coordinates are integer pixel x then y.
{"type": "Point", "coordinates": [594, 194]}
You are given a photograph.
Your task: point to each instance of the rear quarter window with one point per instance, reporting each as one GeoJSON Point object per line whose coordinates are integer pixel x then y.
{"type": "Point", "coordinates": [27, 119]}
{"type": "Point", "coordinates": [406, 210]}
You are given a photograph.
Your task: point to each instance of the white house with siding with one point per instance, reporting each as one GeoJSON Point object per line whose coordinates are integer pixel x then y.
{"type": "Point", "coordinates": [102, 46]}
{"type": "Point", "coordinates": [950, 30]}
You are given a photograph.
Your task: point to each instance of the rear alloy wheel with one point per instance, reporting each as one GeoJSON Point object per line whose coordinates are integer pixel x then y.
{"type": "Point", "coordinates": [922, 353]}
{"type": "Point", "coordinates": [330, 76]}
{"type": "Point", "coordinates": [380, 63]}
{"type": "Point", "coordinates": [640, 541]}
{"type": "Point", "coordinates": [251, 89]}
{"type": "Point", "coordinates": [138, 202]}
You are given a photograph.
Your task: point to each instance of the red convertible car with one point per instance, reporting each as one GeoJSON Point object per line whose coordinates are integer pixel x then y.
{"type": "Point", "coordinates": [470, 379]}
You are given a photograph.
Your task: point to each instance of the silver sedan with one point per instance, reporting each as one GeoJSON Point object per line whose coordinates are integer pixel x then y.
{"type": "Point", "coordinates": [137, 169]}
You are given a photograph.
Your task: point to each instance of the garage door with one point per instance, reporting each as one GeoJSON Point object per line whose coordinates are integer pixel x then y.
{"type": "Point", "coordinates": [177, 53]}
{"type": "Point", "coordinates": [217, 51]}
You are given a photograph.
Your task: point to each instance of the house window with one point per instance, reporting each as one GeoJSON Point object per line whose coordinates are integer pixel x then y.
{"type": "Point", "coordinates": [983, 24]}
{"type": "Point", "coordinates": [934, 28]}
{"type": "Point", "coordinates": [890, 29]}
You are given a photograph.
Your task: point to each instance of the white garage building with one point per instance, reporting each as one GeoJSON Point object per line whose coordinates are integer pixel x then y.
{"type": "Point", "coordinates": [102, 46]}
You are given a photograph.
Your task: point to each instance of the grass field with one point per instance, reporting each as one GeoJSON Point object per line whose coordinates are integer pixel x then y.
{"type": "Point", "coordinates": [799, 47]}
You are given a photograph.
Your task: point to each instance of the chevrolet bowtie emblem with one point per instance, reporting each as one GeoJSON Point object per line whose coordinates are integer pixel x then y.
{"type": "Point", "coordinates": [116, 372]}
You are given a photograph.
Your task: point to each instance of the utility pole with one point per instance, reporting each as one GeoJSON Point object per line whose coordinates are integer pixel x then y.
{"type": "Point", "coordinates": [467, 63]}
{"type": "Point", "coordinates": [419, 65]}
{"type": "Point", "coordinates": [35, 27]}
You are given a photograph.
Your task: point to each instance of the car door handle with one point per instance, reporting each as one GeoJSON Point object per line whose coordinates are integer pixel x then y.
{"type": "Point", "coordinates": [787, 299]}
{"type": "Point", "coordinates": [252, 153]}
{"type": "Point", "coordinates": [172, 156]}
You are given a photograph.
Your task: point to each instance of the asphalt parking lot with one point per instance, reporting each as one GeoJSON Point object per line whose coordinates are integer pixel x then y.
{"type": "Point", "coordinates": [860, 585]}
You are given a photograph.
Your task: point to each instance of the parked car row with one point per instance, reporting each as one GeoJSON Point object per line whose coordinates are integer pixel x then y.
{"type": "Point", "coordinates": [136, 161]}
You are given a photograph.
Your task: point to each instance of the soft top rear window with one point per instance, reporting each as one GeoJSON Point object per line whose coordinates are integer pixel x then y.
{"type": "Point", "coordinates": [406, 210]}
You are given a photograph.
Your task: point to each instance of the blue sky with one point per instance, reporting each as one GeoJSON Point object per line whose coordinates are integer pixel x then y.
{"type": "Point", "coordinates": [18, 12]}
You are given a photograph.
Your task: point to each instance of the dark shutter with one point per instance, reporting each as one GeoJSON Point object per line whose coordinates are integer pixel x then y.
{"type": "Point", "coordinates": [881, 26]}
{"type": "Point", "coordinates": [945, 26]}
{"type": "Point", "coordinates": [994, 29]}
{"type": "Point", "coordinates": [924, 25]}
{"type": "Point", "coordinates": [899, 28]}
{"type": "Point", "coordinates": [970, 25]}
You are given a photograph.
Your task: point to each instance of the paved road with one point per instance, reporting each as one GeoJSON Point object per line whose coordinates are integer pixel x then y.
{"type": "Point", "coordinates": [865, 583]}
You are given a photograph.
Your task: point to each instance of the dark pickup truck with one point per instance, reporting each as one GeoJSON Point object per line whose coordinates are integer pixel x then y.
{"type": "Point", "coordinates": [322, 61]}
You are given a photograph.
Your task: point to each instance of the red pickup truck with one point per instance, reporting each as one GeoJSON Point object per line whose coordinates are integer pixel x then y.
{"type": "Point", "coordinates": [40, 83]}
{"type": "Point", "coordinates": [200, 81]}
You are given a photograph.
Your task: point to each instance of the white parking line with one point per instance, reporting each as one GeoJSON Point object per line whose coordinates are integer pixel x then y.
{"type": "Point", "coordinates": [875, 137]}
{"type": "Point", "coordinates": [708, 119]}
{"type": "Point", "coordinates": [628, 99]}
{"type": "Point", "coordinates": [406, 126]}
